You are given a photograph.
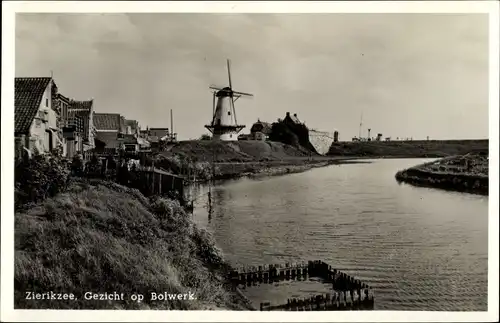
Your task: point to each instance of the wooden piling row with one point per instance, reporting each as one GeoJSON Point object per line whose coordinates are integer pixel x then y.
{"type": "Point", "coordinates": [338, 301]}
{"type": "Point", "coordinates": [275, 272]}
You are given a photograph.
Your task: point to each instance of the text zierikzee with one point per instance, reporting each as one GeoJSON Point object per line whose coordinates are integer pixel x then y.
{"type": "Point", "coordinates": [50, 296]}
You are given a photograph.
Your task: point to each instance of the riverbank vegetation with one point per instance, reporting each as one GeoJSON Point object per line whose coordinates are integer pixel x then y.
{"type": "Point", "coordinates": [98, 236]}
{"type": "Point", "coordinates": [465, 173]}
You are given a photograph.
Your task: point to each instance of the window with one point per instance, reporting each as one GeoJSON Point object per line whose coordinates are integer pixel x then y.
{"type": "Point", "coordinates": [64, 111]}
{"type": "Point", "coordinates": [229, 113]}
{"type": "Point", "coordinates": [47, 103]}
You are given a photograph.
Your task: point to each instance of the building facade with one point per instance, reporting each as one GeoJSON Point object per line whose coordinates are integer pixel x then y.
{"type": "Point", "coordinates": [35, 115]}
{"type": "Point", "coordinates": [108, 128]}
{"type": "Point", "coordinates": [85, 110]}
{"type": "Point", "coordinates": [260, 130]}
{"type": "Point", "coordinates": [72, 127]}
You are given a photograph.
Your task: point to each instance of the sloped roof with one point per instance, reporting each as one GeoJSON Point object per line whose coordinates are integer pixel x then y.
{"type": "Point", "coordinates": [28, 93]}
{"type": "Point", "coordinates": [143, 142]}
{"type": "Point", "coordinates": [107, 121]}
{"type": "Point", "coordinates": [81, 105]}
{"type": "Point", "coordinates": [154, 139]}
{"type": "Point", "coordinates": [295, 119]}
{"type": "Point", "coordinates": [63, 98]}
{"type": "Point", "coordinates": [266, 127]}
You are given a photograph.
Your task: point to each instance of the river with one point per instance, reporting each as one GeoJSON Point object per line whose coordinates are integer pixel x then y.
{"type": "Point", "coordinates": [419, 248]}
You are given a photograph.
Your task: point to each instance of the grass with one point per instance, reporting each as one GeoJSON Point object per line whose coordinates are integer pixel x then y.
{"type": "Point", "coordinates": [408, 149]}
{"type": "Point", "coordinates": [464, 173]}
{"type": "Point", "coordinates": [237, 151]}
{"type": "Point", "coordinates": [102, 237]}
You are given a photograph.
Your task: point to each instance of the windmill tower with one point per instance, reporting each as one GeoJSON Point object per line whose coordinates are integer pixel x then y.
{"type": "Point", "coordinates": [224, 125]}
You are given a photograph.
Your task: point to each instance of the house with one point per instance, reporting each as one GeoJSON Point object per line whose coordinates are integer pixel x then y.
{"type": "Point", "coordinates": [130, 143]}
{"type": "Point", "coordinates": [289, 119]}
{"type": "Point", "coordinates": [85, 110]}
{"type": "Point", "coordinates": [260, 130]}
{"type": "Point", "coordinates": [108, 128]}
{"type": "Point", "coordinates": [154, 142]}
{"type": "Point", "coordinates": [72, 126]}
{"type": "Point", "coordinates": [131, 127]}
{"type": "Point", "coordinates": [35, 115]}
{"type": "Point", "coordinates": [144, 145]}
{"type": "Point", "coordinates": [158, 132]}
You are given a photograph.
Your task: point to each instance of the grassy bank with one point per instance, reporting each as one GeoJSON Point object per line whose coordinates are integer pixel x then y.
{"type": "Point", "coordinates": [408, 149]}
{"type": "Point", "coordinates": [232, 170]}
{"type": "Point", "coordinates": [102, 237]}
{"type": "Point", "coordinates": [228, 160]}
{"type": "Point", "coordinates": [236, 151]}
{"type": "Point", "coordinates": [465, 173]}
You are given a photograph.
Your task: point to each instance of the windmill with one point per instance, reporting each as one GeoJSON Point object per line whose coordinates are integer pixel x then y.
{"type": "Point", "coordinates": [224, 125]}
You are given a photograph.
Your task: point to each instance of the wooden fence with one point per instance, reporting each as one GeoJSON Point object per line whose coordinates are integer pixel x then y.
{"type": "Point", "coordinates": [347, 292]}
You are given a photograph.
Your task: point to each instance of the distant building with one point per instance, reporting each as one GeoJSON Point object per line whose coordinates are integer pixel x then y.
{"type": "Point", "coordinates": [72, 126]}
{"type": "Point", "coordinates": [85, 110]}
{"type": "Point", "coordinates": [155, 135]}
{"type": "Point", "coordinates": [109, 129]}
{"type": "Point", "coordinates": [289, 119]}
{"type": "Point", "coordinates": [158, 132]}
{"type": "Point", "coordinates": [132, 127]}
{"type": "Point", "coordinates": [260, 130]}
{"type": "Point", "coordinates": [35, 115]}
{"type": "Point", "coordinates": [130, 143]}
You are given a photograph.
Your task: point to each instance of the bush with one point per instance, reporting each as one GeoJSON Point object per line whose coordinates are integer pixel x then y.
{"type": "Point", "coordinates": [39, 177]}
{"type": "Point", "coordinates": [100, 236]}
{"type": "Point", "coordinates": [77, 166]}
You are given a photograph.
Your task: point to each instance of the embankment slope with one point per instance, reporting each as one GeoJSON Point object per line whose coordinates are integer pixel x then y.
{"type": "Point", "coordinates": [102, 237]}
{"type": "Point", "coordinates": [408, 149]}
{"type": "Point", "coordinates": [237, 151]}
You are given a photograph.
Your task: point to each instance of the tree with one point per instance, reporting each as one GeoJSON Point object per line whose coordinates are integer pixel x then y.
{"type": "Point", "coordinates": [205, 137]}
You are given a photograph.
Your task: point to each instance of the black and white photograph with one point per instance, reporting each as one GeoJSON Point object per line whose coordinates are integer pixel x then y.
{"type": "Point", "coordinates": [232, 158]}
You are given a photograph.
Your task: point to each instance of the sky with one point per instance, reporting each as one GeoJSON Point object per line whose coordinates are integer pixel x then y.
{"type": "Point", "coordinates": [409, 75]}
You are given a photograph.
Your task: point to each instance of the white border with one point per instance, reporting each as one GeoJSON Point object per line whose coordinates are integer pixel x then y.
{"type": "Point", "coordinates": [8, 25]}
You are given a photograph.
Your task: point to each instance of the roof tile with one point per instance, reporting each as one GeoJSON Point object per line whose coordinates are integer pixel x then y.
{"type": "Point", "coordinates": [107, 121]}
{"type": "Point", "coordinates": [27, 98]}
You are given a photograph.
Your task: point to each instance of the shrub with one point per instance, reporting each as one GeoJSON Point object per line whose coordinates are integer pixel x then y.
{"type": "Point", "coordinates": [39, 177]}
{"type": "Point", "coordinates": [100, 236]}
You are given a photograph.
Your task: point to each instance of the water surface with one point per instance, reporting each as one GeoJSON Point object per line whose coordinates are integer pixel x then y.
{"type": "Point", "coordinates": [419, 248]}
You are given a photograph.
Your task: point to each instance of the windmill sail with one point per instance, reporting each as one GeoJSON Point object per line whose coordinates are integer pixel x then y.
{"type": "Point", "coordinates": [224, 124]}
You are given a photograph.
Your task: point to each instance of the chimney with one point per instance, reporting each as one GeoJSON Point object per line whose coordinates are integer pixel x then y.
{"type": "Point", "coordinates": [288, 114]}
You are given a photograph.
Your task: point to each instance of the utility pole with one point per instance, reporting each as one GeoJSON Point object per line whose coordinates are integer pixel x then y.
{"type": "Point", "coordinates": [171, 125]}
{"type": "Point", "coordinates": [360, 125]}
